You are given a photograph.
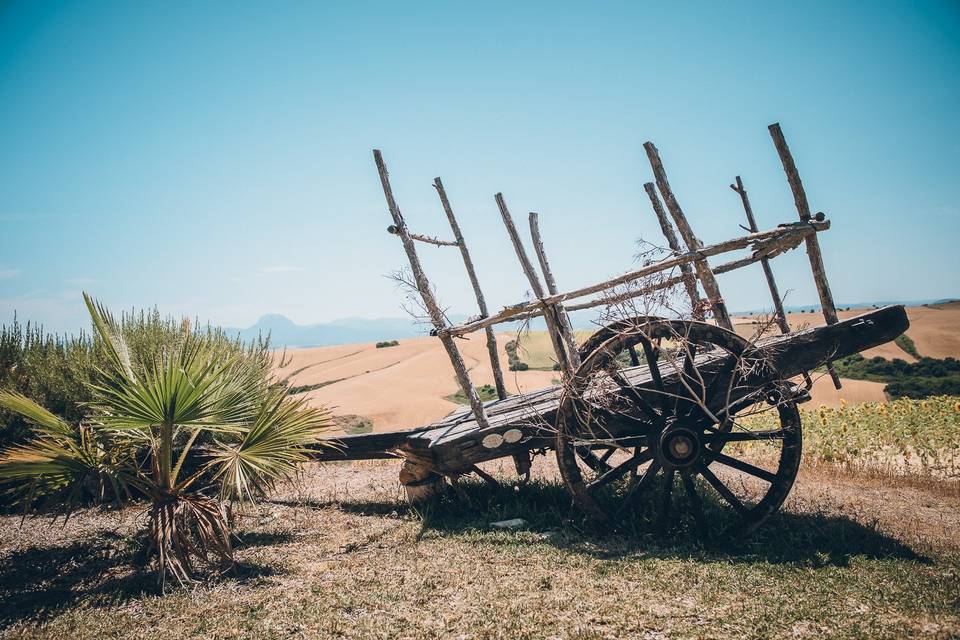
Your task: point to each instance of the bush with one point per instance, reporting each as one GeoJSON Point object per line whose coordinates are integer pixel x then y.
{"type": "Point", "coordinates": [924, 378]}
{"type": "Point", "coordinates": [387, 343]}
{"type": "Point", "coordinates": [906, 343]}
{"type": "Point", "coordinates": [185, 420]}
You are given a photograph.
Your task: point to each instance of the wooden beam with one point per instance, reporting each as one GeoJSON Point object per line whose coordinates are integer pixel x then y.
{"type": "Point", "coordinates": [475, 283]}
{"type": "Point", "coordinates": [566, 328]}
{"type": "Point", "coordinates": [693, 244]}
{"type": "Point", "coordinates": [552, 324]}
{"type": "Point", "coordinates": [780, 316]}
{"type": "Point", "coordinates": [769, 242]}
{"type": "Point", "coordinates": [423, 286]}
{"type": "Point", "coordinates": [813, 245]}
{"type": "Point", "coordinates": [689, 280]}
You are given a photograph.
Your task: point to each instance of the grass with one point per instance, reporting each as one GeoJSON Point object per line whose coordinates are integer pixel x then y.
{"type": "Point", "coordinates": [536, 350]}
{"type": "Point", "coordinates": [907, 344]}
{"type": "Point", "coordinates": [486, 392]}
{"type": "Point", "coordinates": [857, 552]}
{"type": "Point", "coordinates": [357, 562]}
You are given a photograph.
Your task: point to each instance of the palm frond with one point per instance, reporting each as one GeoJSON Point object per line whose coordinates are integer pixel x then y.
{"type": "Point", "coordinates": [45, 423]}
{"type": "Point", "coordinates": [270, 449]}
{"type": "Point", "coordinates": [111, 333]}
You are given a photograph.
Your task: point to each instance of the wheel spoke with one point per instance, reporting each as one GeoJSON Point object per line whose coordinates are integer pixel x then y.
{"type": "Point", "coordinates": [695, 503]}
{"type": "Point", "coordinates": [666, 497]}
{"type": "Point", "coordinates": [688, 359]}
{"type": "Point", "coordinates": [651, 357]}
{"type": "Point", "coordinates": [592, 460]}
{"type": "Point", "coordinates": [608, 454]}
{"type": "Point", "coordinates": [637, 489]}
{"type": "Point", "coordinates": [722, 489]}
{"type": "Point", "coordinates": [745, 467]}
{"type": "Point", "coordinates": [635, 395]}
{"type": "Point", "coordinates": [638, 458]}
{"type": "Point", "coordinates": [743, 436]}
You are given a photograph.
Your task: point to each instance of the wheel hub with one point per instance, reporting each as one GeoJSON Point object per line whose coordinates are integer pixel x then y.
{"type": "Point", "coordinates": [679, 447]}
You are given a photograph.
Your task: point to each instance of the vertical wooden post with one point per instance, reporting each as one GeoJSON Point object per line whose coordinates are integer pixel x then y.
{"type": "Point", "coordinates": [423, 286]}
{"type": "Point", "coordinates": [475, 283]}
{"type": "Point", "coordinates": [813, 244]}
{"type": "Point", "coordinates": [548, 315]}
{"type": "Point", "coordinates": [689, 280]}
{"type": "Point", "coordinates": [780, 316]}
{"type": "Point", "coordinates": [706, 276]}
{"type": "Point", "coordinates": [564, 317]}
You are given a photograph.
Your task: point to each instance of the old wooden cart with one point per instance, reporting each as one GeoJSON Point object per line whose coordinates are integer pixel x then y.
{"type": "Point", "coordinates": [671, 418]}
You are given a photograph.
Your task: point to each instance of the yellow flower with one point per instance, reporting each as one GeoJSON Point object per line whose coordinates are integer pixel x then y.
{"type": "Point", "coordinates": [956, 407]}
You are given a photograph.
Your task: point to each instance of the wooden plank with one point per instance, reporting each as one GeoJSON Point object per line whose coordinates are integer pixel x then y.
{"type": "Point", "coordinates": [702, 267]}
{"type": "Point", "coordinates": [423, 286]}
{"type": "Point", "coordinates": [689, 279]}
{"type": "Point", "coordinates": [791, 354]}
{"type": "Point", "coordinates": [779, 315]}
{"type": "Point", "coordinates": [566, 328]}
{"type": "Point", "coordinates": [475, 283]}
{"type": "Point", "coordinates": [549, 316]}
{"type": "Point", "coordinates": [813, 245]}
{"type": "Point", "coordinates": [785, 234]}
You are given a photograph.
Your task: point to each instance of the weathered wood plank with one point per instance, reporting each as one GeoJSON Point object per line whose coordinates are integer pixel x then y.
{"type": "Point", "coordinates": [553, 328]}
{"type": "Point", "coordinates": [702, 267]}
{"type": "Point", "coordinates": [475, 283]}
{"type": "Point", "coordinates": [566, 328]}
{"type": "Point", "coordinates": [813, 244]}
{"type": "Point", "coordinates": [784, 233]}
{"type": "Point", "coordinates": [423, 286]}
{"type": "Point", "coordinates": [689, 279]}
{"type": "Point", "coordinates": [461, 443]}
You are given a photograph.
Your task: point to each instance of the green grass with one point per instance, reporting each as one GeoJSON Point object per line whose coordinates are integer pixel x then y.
{"type": "Point", "coordinates": [486, 392]}
{"type": "Point", "coordinates": [535, 349]}
{"type": "Point", "coordinates": [907, 344]}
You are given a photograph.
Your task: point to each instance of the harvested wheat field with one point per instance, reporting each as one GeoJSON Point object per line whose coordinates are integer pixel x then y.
{"type": "Point", "coordinates": [408, 385]}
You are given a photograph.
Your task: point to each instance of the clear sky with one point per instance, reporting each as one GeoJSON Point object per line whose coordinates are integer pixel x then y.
{"type": "Point", "coordinates": [214, 159]}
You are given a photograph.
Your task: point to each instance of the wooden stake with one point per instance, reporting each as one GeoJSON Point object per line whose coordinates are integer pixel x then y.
{"type": "Point", "coordinates": [780, 315]}
{"type": "Point", "coordinates": [813, 245]}
{"type": "Point", "coordinates": [693, 244]}
{"type": "Point", "coordinates": [550, 317]}
{"type": "Point", "coordinates": [475, 283]}
{"type": "Point", "coordinates": [689, 280]}
{"type": "Point", "coordinates": [564, 318]}
{"type": "Point", "coordinates": [423, 286]}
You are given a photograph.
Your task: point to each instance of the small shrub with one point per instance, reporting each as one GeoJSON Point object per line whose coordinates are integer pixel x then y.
{"type": "Point", "coordinates": [387, 343]}
{"type": "Point", "coordinates": [906, 343]}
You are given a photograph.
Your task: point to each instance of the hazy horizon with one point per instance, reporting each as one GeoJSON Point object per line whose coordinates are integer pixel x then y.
{"type": "Point", "coordinates": [214, 161]}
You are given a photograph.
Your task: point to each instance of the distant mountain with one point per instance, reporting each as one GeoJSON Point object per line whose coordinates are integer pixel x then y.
{"type": "Point", "coordinates": [284, 332]}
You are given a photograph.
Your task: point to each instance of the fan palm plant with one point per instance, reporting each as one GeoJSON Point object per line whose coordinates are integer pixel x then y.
{"type": "Point", "coordinates": [187, 424]}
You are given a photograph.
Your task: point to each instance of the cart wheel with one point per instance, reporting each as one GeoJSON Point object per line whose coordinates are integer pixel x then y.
{"type": "Point", "coordinates": [671, 433]}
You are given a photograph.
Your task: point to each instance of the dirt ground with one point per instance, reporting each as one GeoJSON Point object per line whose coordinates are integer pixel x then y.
{"type": "Point", "coordinates": [342, 555]}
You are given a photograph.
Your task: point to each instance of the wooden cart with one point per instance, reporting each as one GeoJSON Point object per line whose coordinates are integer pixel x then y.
{"type": "Point", "coordinates": [658, 419]}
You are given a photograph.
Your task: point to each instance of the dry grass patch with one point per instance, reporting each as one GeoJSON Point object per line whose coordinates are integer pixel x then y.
{"type": "Point", "coordinates": [341, 555]}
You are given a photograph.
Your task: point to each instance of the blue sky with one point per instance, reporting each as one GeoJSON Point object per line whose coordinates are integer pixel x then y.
{"type": "Point", "coordinates": [213, 159]}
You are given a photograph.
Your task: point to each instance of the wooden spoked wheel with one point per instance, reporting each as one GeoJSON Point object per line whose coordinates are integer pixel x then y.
{"type": "Point", "coordinates": [656, 428]}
